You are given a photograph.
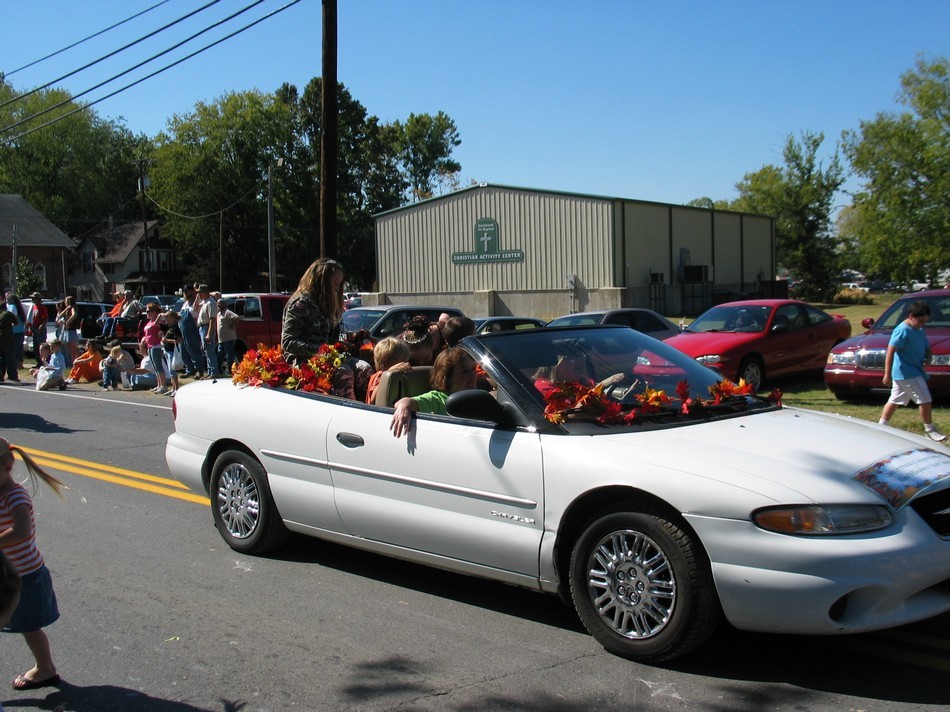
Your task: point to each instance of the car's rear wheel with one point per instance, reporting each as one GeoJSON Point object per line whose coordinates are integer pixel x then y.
{"type": "Point", "coordinates": [642, 586]}
{"type": "Point", "coordinates": [752, 371]}
{"type": "Point", "coordinates": [241, 504]}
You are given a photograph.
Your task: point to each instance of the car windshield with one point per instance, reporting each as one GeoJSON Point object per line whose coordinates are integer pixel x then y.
{"type": "Point", "coordinates": [356, 319]}
{"type": "Point", "coordinates": [732, 318]}
{"type": "Point", "coordinates": [611, 376]}
{"type": "Point", "coordinates": [582, 319]}
{"type": "Point", "coordinates": [897, 312]}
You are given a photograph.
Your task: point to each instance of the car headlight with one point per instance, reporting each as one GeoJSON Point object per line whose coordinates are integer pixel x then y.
{"type": "Point", "coordinates": [940, 360]}
{"type": "Point", "coordinates": [709, 359]}
{"type": "Point", "coordinates": [818, 520]}
{"type": "Point", "coordinates": [845, 358]}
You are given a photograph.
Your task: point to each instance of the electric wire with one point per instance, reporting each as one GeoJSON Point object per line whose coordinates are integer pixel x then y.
{"type": "Point", "coordinates": [175, 46]}
{"type": "Point", "coordinates": [84, 39]}
{"type": "Point", "coordinates": [206, 215]}
{"type": "Point", "coordinates": [111, 54]}
{"type": "Point", "coordinates": [11, 139]}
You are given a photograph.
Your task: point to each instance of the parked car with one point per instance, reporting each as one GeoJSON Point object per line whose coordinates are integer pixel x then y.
{"type": "Point", "coordinates": [89, 328]}
{"type": "Point", "coordinates": [657, 508]}
{"type": "Point", "coordinates": [855, 367]}
{"type": "Point", "coordinates": [492, 324]}
{"type": "Point", "coordinates": [261, 319]}
{"type": "Point", "coordinates": [752, 339]}
{"type": "Point", "coordinates": [646, 321]}
{"type": "Point", "coordinates": [388, 320]}
{"type": "Point", "coordinates": [165, 301]}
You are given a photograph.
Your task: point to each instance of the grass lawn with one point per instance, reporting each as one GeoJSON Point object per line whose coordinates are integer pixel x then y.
{"type": "Point", "coordinates": [809, 391]}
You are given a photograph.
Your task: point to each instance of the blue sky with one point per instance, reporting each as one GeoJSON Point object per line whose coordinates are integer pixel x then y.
{"type": "Point", "coordinates": [664, 101]}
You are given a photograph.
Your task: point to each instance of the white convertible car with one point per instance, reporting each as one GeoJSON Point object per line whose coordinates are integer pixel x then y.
{"type": "Point", "coordinates": [658, 505]}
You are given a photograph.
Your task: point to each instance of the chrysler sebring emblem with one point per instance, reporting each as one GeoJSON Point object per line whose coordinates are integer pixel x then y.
{"type": "Point", "coordinates": [512, 517]}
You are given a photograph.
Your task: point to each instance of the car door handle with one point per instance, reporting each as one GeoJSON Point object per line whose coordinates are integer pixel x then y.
{"type": "Point", "coordinates": [349, 440]}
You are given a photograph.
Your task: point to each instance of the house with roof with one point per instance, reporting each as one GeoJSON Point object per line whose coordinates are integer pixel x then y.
{"type": "Point", "coordinates": [25, 234]}
{"type": "Point", "coordinates": [116, 257]}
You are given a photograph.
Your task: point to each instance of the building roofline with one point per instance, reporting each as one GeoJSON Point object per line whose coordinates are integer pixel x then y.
{"type": "Point", "coordinates": [570, 194]}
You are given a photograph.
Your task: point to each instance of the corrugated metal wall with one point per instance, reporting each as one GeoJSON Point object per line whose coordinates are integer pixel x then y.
{"type": "Point", "coordinates": [610, 245]}
{"type": "Point", "coordinates": [559, 234]}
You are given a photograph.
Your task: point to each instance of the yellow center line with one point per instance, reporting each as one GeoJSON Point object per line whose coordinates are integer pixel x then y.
{"type": "Point", "coordinates": [105, 468]}
{"type": "Point", "coordinates": [117, 475]}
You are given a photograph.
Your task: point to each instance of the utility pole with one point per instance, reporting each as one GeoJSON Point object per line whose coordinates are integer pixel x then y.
{"type": "Point", "coordinates": [328, 144]}
{"type": "Point", "coordinates": [271, 259]}
{"type": "Point", "coordinates": [148, 255]}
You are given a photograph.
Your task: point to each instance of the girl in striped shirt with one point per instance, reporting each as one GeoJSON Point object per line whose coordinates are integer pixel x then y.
{"type": "Point", "coordinates": [37, 607]}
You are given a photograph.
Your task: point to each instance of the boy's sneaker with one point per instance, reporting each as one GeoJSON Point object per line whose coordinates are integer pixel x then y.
{"type": "Point", "coordinates": [936, 435]}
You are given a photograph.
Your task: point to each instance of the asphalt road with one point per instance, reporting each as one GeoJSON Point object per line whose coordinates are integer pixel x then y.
{"type": "Point", "coordinates": [158, 614]}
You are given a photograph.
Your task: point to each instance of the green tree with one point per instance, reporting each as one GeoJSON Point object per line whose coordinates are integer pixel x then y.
{"type": "Point", "coordinates": [78, 171]}
{"type": "Point", "coordinates": [209, 178]}
{"type": "Point", "coordinates": [902, 220]}
{"type": "Point", "coordinates": [799, 194]}
{"type": "Point", "coordinates": [425, 146]}
{"type": "Point", "coordinates": [26, 280]}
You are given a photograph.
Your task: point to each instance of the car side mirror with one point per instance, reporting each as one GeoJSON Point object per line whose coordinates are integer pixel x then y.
{"type": "Point", "coordinates": [476, 404]}
{"type": "Point", "coordinates": [779, 328]}
{"type": "Point", "coordinates": [867, 322]}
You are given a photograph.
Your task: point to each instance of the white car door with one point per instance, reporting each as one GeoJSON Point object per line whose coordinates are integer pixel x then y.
{"type": "Point", "coordinates": [453, 488]}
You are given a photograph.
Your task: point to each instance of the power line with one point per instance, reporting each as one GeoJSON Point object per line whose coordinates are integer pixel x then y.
{"type": "Point", "coordinates": [206, 215]}
{"type": "Point", "coordinates": [111, 54]}
{"type": "Point", "coordinates": [130, 69]}
{"type": "Point", "coordinates": [11, 139]}
{"type": "Point", "coordinates": [84, 39]}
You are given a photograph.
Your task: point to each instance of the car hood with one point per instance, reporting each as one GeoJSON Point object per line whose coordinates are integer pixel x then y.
{"type": "Point", "coordinates": [788, 455]}
{"type": "Point", "coordinates": [938, 338]}
{"type": "Point", "coordinates": [711, 342]}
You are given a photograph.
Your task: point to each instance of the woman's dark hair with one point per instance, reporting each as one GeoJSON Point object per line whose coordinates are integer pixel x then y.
{"type": "Point", "coordinates": [456, 329]}
{"type": "Point", "coordinates": [15, 301]}
{"type": "Point", "coordinates": [316, 283]}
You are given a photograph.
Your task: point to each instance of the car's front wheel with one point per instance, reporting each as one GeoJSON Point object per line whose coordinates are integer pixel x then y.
{"type": "Point", "coordinates": [752, 371]}
{"type": "Point", "coordinates": [241, 504]}
{"type": "Point", "coordinates": [642, 586]}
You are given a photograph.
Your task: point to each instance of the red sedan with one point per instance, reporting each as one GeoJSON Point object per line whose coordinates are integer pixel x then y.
{"type": "Point", "coordinates": [757, 337]}
{"type": "Point", "coordinates": [856, 367]}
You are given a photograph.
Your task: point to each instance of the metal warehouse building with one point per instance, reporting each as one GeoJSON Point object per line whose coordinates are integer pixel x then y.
{"type": "Point", "coordinates": [500, 250]}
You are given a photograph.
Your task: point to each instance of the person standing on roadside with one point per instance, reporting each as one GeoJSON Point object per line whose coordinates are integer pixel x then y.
{"type": "Point", "coordinates": [172, 343]}
{"type": "Point", "coordinates": [71, 320]}
{"type": "Point", "coordinates": [227, 336]}
{"type": "Point", "coordinates": [8, 368]}
{"type": "Point", "coordinates": [152, 338]}
{"type": "Point", "coordinates": [191, 340]}
{"type": "Point", "coordinates": [15, 307]}
{"type": "Point", "coordinates": [907, 352]}
{"type": "Point", "coordinates": [37, 326]}
{"type": "Point", "coordinates": [208, 328]}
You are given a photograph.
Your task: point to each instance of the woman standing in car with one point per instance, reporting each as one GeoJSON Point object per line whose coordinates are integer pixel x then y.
{"type": "Point", "coordinates": [312, 316]}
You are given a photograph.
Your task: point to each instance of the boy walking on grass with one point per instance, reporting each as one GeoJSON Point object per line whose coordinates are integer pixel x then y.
{"type": "Point", "coordinates": [907, 352]}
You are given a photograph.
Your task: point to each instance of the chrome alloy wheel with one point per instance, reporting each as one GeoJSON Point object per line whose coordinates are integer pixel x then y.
{"type": "Point", "coordinates": [631, 584]}
{"type": "Point", "coordinates": [238, 501]}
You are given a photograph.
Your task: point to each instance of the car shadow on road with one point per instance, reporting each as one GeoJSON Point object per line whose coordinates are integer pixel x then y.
{"type": "Point", "coordinates": [490, 595]}
{"type": "Point", "coordinates": [909, 664]}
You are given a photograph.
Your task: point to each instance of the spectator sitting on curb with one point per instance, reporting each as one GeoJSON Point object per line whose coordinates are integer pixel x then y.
{"type": "Point", "coordinates": [49, 374]}
{"type": "Point", "coordinates": [126, 364]}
